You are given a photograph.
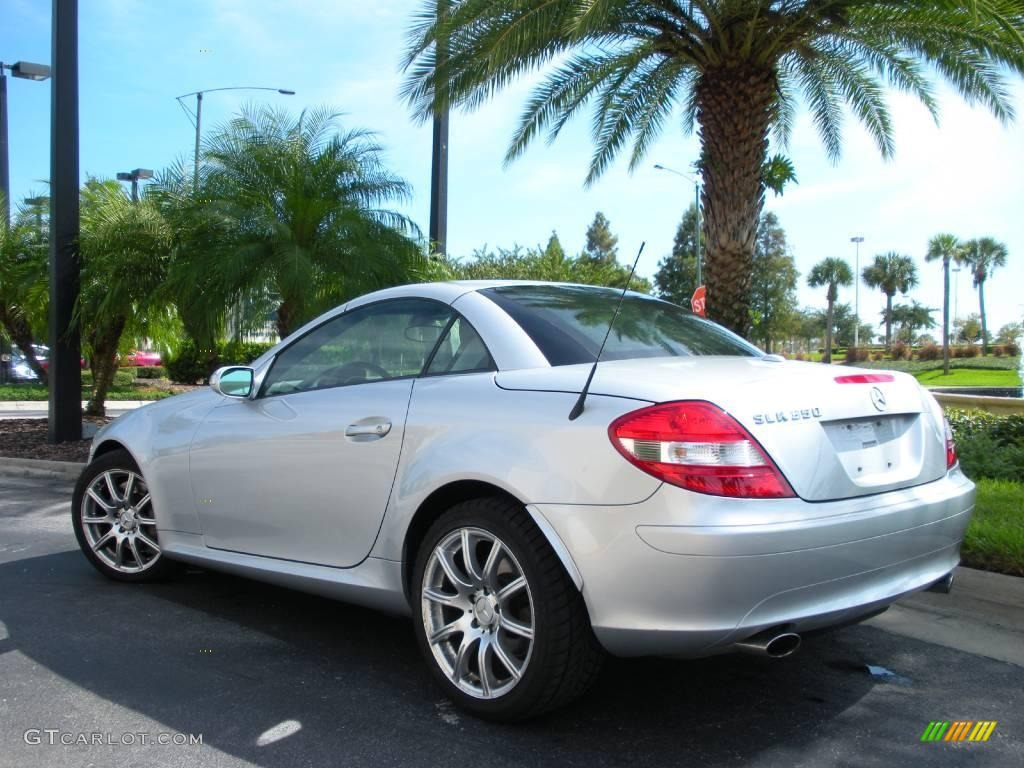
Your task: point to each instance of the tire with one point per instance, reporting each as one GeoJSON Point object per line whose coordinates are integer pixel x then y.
{"type": "Point", "coordinates": [121, 541]}
{"type": "Point", "coordinates": [488, 613]}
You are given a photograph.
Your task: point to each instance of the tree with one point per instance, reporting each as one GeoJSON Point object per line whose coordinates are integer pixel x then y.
{"type": "Point", "coordinates": [890, 272]}
{"type": "Point", "coordinates": [1010, 333]}
{"type": "Point", "coordinates": [909, 318]}
{"type": "Point", "coordinates": [832, 273]}
{"type": "Point", "coordinates": [946, 247]}
{"type": "Point", "coordinates": [548, 263]}
{"type": "Point", "coordinates": [983, 256]}
{"type": "Point", "coordinates": [676, 278]}
{"type": "Point", "coordinates": [968, 329]}
{"type": "Point", "coordinates": [773, 291]}
{"type": "Point", "coordinates": [125, 248]}
{"type": "Point", "coordinates": [735, 68]}
{"type": "Point", "coordinates": [296, 210]}
{"type": "Point", "coordinates": [23, 283]}
{"type": "Point", "coordinates": [602, 245]}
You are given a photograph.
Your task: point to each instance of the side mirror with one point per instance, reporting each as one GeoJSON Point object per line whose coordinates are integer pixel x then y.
{"type": "Point", "coordinates": [233, 381]}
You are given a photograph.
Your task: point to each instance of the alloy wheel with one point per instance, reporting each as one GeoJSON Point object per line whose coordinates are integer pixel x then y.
{"type": "Point", "coordinates": [478, 612]}
{"type": "Point", "coordinates": [118, 523]}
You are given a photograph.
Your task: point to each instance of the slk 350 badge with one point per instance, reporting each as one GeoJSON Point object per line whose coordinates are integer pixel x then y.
{"type": "Point", "coordinates": [779, 417]}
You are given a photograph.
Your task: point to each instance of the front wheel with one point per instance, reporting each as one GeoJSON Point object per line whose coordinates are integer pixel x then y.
{"type": "Point", "coordinates": [112, 513]}
{"type": "Point", "coordinates": [502, 627]}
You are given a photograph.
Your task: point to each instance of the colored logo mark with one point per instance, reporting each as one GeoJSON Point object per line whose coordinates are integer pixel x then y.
{"type": "Point", "coordinates": [959, 730]}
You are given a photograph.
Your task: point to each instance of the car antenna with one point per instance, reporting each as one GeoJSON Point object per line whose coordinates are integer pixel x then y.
{"type": "Point", "coordinates": [578, 408]}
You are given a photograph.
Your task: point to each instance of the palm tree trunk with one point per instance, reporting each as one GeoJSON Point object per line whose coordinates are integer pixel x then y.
{"type": "Point", "coordinates": [285, 318]}
{"type": "Point", "coordinates": [104, 366]}
{"type": "Point", "coordinates": [20, 333]}
{"type": "Point", "coordinates": [945, 316]}
{"type": "Point", "coordinates": [984, 321]}
{"type": "Point", "coordinates": [827, 358]}
{"type": "Point", "coordinates": [888, 322]}
{"type": "Point", "coordinates": [734, 109]}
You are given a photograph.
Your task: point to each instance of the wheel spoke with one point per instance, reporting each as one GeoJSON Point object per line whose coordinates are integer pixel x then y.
{"type": "Point", "coordinates": [103, 540]}
{"type": "Point", "coordinates": [483, 664]}
{"type": "Point", "coordinates": [128, 488]}
{"type": "Point", "coordinates": [511, 588]}
{"type": "Point", "coordinates": [461, 666]}
{"type": "Point", "coordinates": [490, 567]}
{"type": "Point", "coordinates": [112, 488]}
{"type": "Point", "coordinates": [515, 627]}
{"type": "Point", "coordinates": [448, 565]}
{"type": "Point", "coordinates": [119, 552]}
{"type": "Point", "coordinates": [147, 541]}
{"type": "Point", "coordinates": [506, 660]}
{"type": "Point", "coordinates": [100, 502]}
{"type": "Point", "coordinates": [106, 519]}
{"type": "Point", "coordinates": [441, 598]}
{"type": "Point", "coordinates": [135, 551]}
{"type": "Point", "coordinates": [448, 630]}
{"type": "Point", "coordinates": [469, 559]}
{"type": "Point", "coordinates": [141, 503]}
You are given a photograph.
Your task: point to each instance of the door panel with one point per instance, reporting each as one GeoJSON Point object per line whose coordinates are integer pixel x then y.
{"type": "Point", "coordinates": [304, 476]}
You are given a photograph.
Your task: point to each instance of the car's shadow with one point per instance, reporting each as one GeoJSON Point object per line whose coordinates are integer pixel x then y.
{"type": "Point", "coordinates": [232, 659]}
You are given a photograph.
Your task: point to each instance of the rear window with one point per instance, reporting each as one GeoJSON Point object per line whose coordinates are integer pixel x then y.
{"type": "Point", "coordinates": [568, 323]}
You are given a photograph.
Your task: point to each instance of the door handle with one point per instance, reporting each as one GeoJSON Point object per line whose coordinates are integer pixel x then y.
{"type": "Point", "coordinates": [371, 428]}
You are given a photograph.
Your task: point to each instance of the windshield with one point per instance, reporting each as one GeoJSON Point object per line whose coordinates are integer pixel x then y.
{"type": "Point", "coordinates": [568, 323]}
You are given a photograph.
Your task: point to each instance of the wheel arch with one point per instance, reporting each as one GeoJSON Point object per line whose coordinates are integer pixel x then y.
{"type": "Point", "coordinates": [444, 498]}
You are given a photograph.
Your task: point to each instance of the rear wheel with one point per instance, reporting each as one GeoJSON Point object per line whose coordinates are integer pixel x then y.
{"type": "Point", "coordinates": [504, 630]}
{"type": "Point", "coordinates": [112, 513]}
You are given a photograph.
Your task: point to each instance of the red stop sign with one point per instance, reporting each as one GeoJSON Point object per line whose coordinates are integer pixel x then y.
{"type": "Point", "coordinates": [697, 302]}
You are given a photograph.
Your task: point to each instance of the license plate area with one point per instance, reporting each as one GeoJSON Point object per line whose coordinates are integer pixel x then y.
{"type": "Point", "coordinates": [876, 449]}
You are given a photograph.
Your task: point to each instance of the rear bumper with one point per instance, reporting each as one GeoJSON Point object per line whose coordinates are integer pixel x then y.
{"type": "Point", "coordinates": [686, 574]}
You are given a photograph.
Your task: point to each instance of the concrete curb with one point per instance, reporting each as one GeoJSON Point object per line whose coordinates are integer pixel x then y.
{"type": "Point", "coordinates": [41, 468]}
{"type": "Point", "coordinates": [1000, 405]}
{"type": "Point", "coordinates": [43, 405]}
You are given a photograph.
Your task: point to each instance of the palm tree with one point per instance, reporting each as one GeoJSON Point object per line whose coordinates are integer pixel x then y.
{"type": "Point", "coordinates": [983, 256]}
{"type": "Point", "coordinates": [291, 211]}
{"type": "Point", "coordinates": [23, 284]}
{"type": "Point", "coordinates": [735, 68]}
{"type": "Point", "coordinates": [125, 248]}
{"type": "Point", "coordinates": [833, 273]}
{"type": "Point", "coordinates": [946, 247]}
{"type": "Point", "coordinates": [891, 272]}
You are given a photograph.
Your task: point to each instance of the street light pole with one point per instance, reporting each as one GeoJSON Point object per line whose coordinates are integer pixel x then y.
{"type": "Point", "coordinates": [65, 374]}
{"type": "Point", "coordinates": [439, 160]}
{"type": "Point", "coordinates": [956, 292]}
{"type": "Point", "coordinates": [697, 224]}
{"type": "Point", "coordinates": [856, 290]}
{"type": "Point", "coordinates": [133, 177]}
{"type": "Point", "coordinates": [197, 116]}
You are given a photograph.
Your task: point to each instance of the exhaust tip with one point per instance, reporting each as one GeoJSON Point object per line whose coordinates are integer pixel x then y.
{"type": "Point", "coordinates": [944, 585]}
{"type": "Point", "coordinates": [783, 645]}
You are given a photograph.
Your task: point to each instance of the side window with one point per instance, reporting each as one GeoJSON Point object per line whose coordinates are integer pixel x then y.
{"type": "Point", "coordinates": [382, 341]}
{"type": "Point", "coordinates": [461, 351]}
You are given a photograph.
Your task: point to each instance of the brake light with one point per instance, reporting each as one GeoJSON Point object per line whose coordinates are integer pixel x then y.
{"type": "Point", "coordinates": [865, 378]}
{"type": "Point", "coordinates": [950, 446]}
{"type": "Point", "coordinates": [700, 447]}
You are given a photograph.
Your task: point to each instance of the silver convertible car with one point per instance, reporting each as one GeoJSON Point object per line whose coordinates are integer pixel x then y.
{"type": "Point", "coordinates": [413, 451]}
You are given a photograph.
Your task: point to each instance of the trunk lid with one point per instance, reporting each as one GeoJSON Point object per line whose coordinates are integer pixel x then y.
{"type": "Point", "coordinates": [831, 440]}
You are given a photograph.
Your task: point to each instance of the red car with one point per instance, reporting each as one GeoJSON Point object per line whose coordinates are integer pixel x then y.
{"type": "Point", "coordinates": [141, 358]}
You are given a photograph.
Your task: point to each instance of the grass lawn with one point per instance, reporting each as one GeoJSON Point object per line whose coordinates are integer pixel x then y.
{"type": "Point", "coordinates": [917, 366]}
{"type": "Point", "coordinates": [969, 377]}
{"type": "Point", "coordinates": [995, 537]}
{"type": "Point", "coordinates": [10, 392]}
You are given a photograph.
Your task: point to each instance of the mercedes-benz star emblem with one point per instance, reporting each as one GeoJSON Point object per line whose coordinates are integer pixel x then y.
{"type": "Point", "coordinates": [878, 398]}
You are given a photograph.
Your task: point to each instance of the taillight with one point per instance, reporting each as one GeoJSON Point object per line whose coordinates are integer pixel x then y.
{"type": "Point", "coordinates": [865, 378]}
{"type": "Point", "coordinates": [950, 446]}
{"type": "Point", "coordinates": [700, 447]}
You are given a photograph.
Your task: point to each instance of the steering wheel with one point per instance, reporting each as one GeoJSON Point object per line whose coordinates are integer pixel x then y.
{"type": "Point", "coordinates": [346, 374]}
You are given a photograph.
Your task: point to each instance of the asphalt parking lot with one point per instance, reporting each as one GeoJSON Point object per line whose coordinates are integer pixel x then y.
{"type": "Point", "coordinates": [275, 678]}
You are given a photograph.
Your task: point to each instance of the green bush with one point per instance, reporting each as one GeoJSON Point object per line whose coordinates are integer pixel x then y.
{"type": "Point", "coordinates": [124, 377]}
{"type": "Point", "coordinates": [929, 352]}
{"type": "Point", "coordinates": [151, 372]}
{"type": "Point", "coordinates": [989, 445]}
{"type": "Point", "coordinates": [191, 365]}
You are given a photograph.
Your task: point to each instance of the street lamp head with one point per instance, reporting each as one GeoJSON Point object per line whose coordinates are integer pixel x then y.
{"type": "Point", "coordinates": [26, 70]}
{"type": "Point", "coordinates": [856, 239]}
{"type": "Point", "coordinates": [142, 173]}
{"type": "Point", "coordinates": [122, 176]}
{"type": "Point", "coordinates": [34, 201]}
{"type": "Point", "coordinates": [286, 92]}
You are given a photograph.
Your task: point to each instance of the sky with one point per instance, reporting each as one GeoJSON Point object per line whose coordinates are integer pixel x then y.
{"type": "Point", "coordinates": [965, 175]}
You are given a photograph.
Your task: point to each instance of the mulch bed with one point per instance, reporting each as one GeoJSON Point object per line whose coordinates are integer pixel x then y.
{"type": "Point", "coordinates": [26, 439]}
